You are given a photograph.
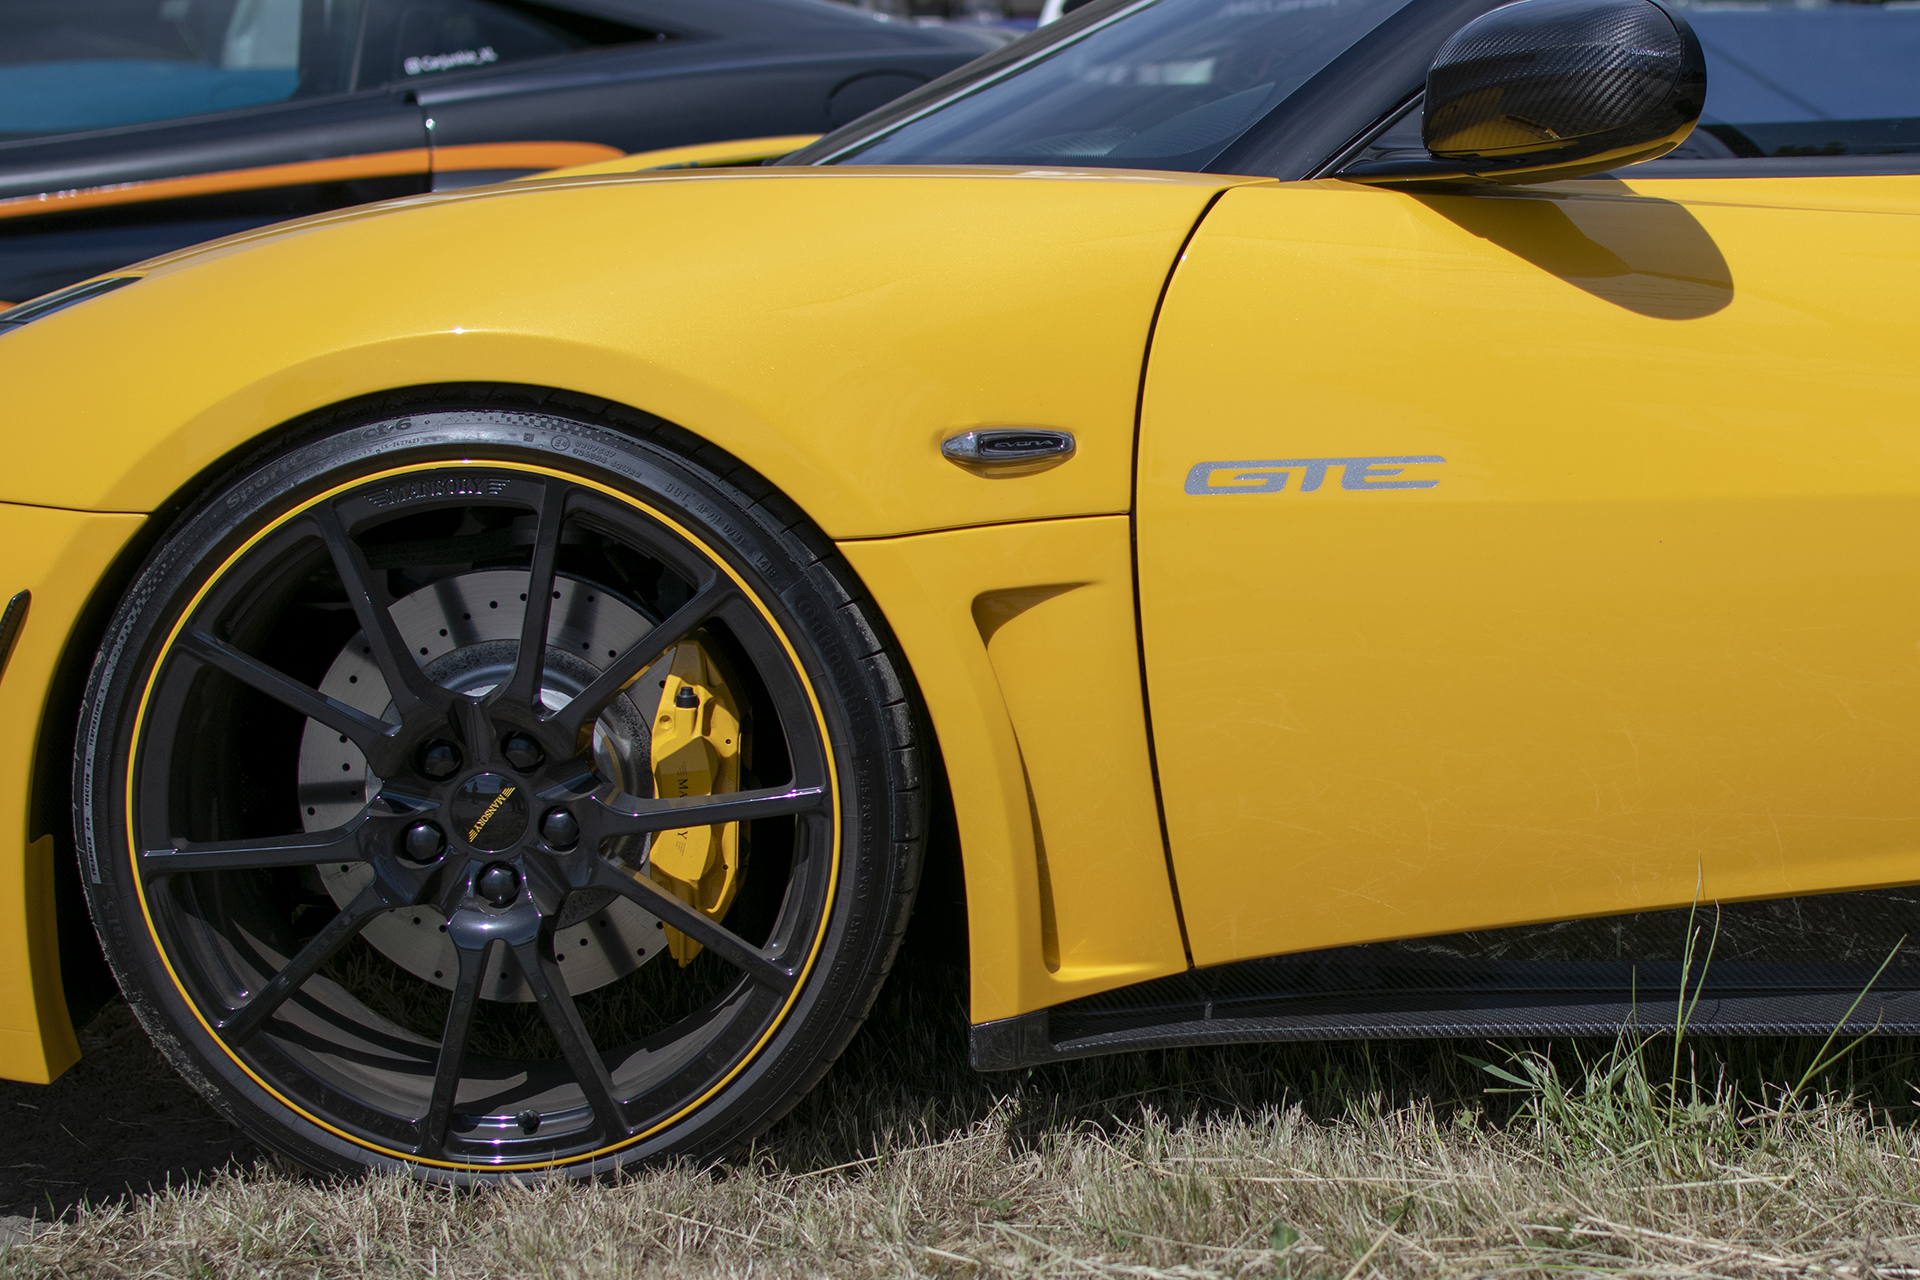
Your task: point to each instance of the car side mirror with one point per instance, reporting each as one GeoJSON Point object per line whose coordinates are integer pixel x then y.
{"type": "Point", "coordinates": [1549, 89]}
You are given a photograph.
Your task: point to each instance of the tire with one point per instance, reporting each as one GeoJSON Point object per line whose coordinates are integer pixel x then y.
{"type": "Point", "coordinates": [478, 947]}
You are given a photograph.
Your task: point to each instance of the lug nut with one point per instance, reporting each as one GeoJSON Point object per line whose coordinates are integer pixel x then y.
{"type": "Point", "coordinates": [499, 884]}
{"type": "Point", "coordinates": [424, 842]}
{"type": "Point", "coordinates": [439, 760]}
{"type": "Point", "coordinates": [560, 829]}
{"type": "Point", "coordinates": [522, 752]}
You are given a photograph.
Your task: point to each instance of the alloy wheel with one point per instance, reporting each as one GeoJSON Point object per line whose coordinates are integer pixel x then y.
{"type": "Point", "coordinates": [490, 650]}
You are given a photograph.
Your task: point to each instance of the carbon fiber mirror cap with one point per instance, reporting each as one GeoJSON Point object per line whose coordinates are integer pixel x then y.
{"type": "Point", "coordinates": [1548, 89]}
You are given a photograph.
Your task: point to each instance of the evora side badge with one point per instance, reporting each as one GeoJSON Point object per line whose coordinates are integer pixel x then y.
{"type": "Point", "coordinates": [1004, 448]}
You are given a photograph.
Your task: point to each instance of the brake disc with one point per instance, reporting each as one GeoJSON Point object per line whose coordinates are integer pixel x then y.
{"type": "Point", "coordinates": [466, 631]}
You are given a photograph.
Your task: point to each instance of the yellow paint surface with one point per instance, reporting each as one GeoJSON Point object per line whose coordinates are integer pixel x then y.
{"type": "Point", "coordinates": [831, 326]}
{"type": "Point", "coordinates": [58, 556]}
{"type": "Point", "coordinates": [1657, 625]}
{"type": "Point", "coordinates": [703, 155]}
{"type": "Point", "coordinates": [1022, 640]}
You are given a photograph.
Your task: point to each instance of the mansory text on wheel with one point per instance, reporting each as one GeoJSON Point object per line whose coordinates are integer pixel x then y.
{"type": "Point", "coordinates": [487, 790]}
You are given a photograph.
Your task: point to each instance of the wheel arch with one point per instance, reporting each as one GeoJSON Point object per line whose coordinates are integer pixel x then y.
{"type": "Point", "coordinates": [995, 753]}
{"type": "Point", "coordinates": [85, 983]}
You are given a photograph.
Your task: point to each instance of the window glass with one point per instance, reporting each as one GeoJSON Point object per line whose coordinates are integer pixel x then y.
{"type": "Point", "coordinates": [69, 65]}
{"type": "Point", "coordinates": [1167, 85]}
{"type": "Point", "coordinates": [1808, 78]}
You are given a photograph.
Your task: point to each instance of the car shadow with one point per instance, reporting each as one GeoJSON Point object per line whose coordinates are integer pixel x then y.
{"type": "Point", "coordinates": [120, 1122]}
{"type": "Point", "coordinates": [1648, 255]}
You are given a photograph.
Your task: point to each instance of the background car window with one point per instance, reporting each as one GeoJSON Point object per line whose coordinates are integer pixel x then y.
{"type": "Point", "coordinates": [71, 65]}
{"type": "Point", "coordinates": [1793, 78]}
{"type": "Point", "coordinates": [1167, 86]}
{"type": "Point", "coordinates": [419, 40]}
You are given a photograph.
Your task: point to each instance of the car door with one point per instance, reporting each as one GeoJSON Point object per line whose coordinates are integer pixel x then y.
{"type": "Point", "coordinates": [1533, 554]}
{"type": "Point", "coordinates": [444, 54]}
{"type": "Point", "coordinates": [668, 75]}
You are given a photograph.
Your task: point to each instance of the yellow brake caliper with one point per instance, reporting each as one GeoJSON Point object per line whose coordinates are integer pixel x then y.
{"type": "Point", "coordinates": [696, 752]}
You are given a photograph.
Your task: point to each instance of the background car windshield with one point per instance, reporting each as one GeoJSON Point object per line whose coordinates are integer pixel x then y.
{"type": "Point", "coordinates": [1794, 78]}
{"type": "Point", "coordinates": [1166, 85]}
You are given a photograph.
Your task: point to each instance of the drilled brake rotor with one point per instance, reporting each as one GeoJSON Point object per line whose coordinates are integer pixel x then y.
{"type": "Point", "coordinates": [465, 631]}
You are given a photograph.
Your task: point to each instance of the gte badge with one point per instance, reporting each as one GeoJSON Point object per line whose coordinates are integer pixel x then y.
{"type": "Point", "coordinates": [1272, 475]}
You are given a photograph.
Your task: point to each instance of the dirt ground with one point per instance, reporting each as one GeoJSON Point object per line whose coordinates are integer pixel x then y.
{"type": "Point", "coordinates": [1399, 1159]}
{"type": "Point", "coordinates": [119, 1121]}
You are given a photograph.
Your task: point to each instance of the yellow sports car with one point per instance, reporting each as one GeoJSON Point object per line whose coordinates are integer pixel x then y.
{"type": "Point", "coordinates": [1360, 561]}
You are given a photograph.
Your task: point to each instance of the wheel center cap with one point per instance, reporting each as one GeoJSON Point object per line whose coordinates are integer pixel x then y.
{"type": "Point", "coordinates": [490, 812]}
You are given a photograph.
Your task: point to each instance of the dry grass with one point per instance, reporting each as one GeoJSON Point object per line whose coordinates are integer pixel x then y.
{"type": "Point", "coordinates": [1725, 1159]}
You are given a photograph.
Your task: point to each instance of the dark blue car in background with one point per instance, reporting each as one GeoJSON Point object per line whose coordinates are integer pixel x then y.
{"type": "Point", "coordinates": [130, 128]}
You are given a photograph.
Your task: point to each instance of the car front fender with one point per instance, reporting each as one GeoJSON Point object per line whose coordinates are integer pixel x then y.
{"type": "Point", "coordinates": [828, 327]}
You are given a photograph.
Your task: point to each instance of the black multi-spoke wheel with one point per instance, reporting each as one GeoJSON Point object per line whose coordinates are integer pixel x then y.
{"type": "Point", "coordinates": [486, 790]}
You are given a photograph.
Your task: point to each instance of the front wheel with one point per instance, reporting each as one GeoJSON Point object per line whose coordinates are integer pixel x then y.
{"type": "Point", "coordinates": [483, 790]}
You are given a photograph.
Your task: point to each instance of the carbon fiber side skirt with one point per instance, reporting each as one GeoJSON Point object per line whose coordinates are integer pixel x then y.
{"type": "Point", "coordinates": [1789, 967]}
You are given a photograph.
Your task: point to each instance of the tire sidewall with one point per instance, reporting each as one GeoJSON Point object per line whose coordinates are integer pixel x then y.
{"type": "Point", "coordinates": [808, 589]}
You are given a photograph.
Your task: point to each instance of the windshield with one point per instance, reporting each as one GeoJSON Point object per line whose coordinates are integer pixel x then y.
{"type": "Point", "coordinates": [1166, 84]}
